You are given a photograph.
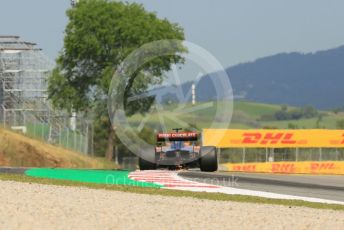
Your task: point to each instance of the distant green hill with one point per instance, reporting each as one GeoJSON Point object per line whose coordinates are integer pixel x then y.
{"type": "Point", "coordinates": [293, 78]}
{"type": "Point", "coordinates": [246, 115]}
{"type": "Point", "coordinates": [287, 78]}
{"type": "Point", "coordinates": [254, 112]}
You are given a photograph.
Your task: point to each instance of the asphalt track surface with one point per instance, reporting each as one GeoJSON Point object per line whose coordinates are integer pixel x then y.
{"type": "Point", "coordinates": [317, 186]}
{"type": "Point", "coordinates": [13, 170]}
{"type": "Point", "coordinates": [328, 187]}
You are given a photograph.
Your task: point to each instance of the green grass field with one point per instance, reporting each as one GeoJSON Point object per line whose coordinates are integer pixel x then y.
{"type": "Point", "coordinates": [328, 122]}
{"type": "Point", "coordinates": [255, 110]}
{"type": "Point", "coordinates": [246, 115]}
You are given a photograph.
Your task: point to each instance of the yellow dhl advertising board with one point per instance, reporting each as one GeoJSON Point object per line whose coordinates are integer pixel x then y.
{"type": "Point", "coordinates": [308, 167]}
{"type": "Point", "coordinates": [273, 138]}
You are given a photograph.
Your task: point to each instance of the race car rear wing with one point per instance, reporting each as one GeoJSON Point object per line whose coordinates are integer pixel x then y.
{"type": "Point", "coordinates": [180, 136]}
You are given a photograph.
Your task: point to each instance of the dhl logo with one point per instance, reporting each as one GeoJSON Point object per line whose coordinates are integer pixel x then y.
{"type": "Point", "coordinates": [322, 166]}
{"type": "Point", "coordinates": [283, 168]}
{"type": "Point", "coordinates": [268, 138]}
{"type": "Point", "coordinates": [310, 167]}
{"type": "Point", "coordinates": [233, 138]}
{"type": "Point", "coordinates": [245, 168]}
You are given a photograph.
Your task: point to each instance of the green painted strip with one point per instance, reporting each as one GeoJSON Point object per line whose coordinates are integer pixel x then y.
{"type": "Point", "coordinates": [93, 176]}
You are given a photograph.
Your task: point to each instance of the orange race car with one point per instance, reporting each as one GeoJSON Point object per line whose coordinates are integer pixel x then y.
{"type": "Point", "coordinates": [177, 149]}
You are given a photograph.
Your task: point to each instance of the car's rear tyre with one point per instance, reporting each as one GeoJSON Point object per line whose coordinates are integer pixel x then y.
{"type": "Point", "coordinates": [146, 165]}
{"type": "Point", "coordinates": [208, 159]}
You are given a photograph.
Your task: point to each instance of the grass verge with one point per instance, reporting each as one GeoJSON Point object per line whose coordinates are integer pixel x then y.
{"type": "Point", "coordinates": [173, 193]}
{"type": "Point", "coordinates": [18, 150]}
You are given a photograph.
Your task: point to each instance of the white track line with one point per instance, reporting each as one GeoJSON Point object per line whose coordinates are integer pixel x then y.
{"type": "Point", "coordinates": [171, 180]}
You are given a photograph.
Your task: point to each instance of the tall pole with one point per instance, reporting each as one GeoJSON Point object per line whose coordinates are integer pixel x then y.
{"type": "Point", "coordinates": [193, 91]}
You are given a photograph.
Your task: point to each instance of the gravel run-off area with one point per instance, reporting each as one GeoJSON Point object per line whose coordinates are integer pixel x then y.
{"type": "Point", "coordinates": [35, 206]}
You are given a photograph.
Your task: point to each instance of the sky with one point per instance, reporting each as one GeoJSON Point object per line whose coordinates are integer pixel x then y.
{"type": "Point", "coordinates": [234, 31]}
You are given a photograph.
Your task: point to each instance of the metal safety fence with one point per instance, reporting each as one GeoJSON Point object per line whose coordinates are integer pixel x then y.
{"type": "Point", "coordinates": [249, 155]}
{"type": "Point", "coordinates": [79, 139]}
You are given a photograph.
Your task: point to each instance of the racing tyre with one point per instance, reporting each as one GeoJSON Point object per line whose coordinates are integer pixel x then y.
{"type": "Point", "coordinates": [208, 160]}
{"type": "Point", "coordinates": [146, 165]}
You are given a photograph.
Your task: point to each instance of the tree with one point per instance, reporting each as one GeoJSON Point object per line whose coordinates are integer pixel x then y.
{"type": "Point", "coordinates": [309, 111]}
{"type": "Point", "coordinates": [296, 114]}
{"type": "Point", "coordinates": [99, 36]}
{"type": "Point", "coordinates": [319, 120]}
{"type": "Point", "coordinates": [284, 108]}
{"type": "Point", "coordinates": [282, 115]}
{"type": "Point", "coordinates": [337, 110]}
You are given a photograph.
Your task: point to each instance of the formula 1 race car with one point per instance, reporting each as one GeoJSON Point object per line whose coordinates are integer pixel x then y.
{"type": "Point", "coordinates": [176, 150]}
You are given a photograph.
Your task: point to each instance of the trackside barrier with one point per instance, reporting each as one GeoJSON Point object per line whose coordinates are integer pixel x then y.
{"type": "Point", "coordinates": [276, 138]}
{"type": "Point", "coordinates": [306, 167]}
{"type": "Point", "coordinates": [273, 141]}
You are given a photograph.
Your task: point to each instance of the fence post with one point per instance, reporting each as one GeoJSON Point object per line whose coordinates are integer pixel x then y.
{"type": "Point", "coordinates": [34, 129]}
{"type": "Point", "coordinates": [80, 146]}
{"type": "Point", "coordinates": [42, 132]}
{"type": "Point", "coordinates": [60, 135]}
{"type": "Point", "coordinates": [4, 115]}
{"type": "Point", "coordinates": [116, 154]}
{"type": "Point", "coordinates": [320, 154]}
{"type": "Point", "coordinates": [14, 119]}
{"type": "Point", "coordinates": [67, 142]}
{"type": "Point", "coordinates": [24, 119]}
{"type": "Point", "coordinates": [86, 141]}
{"type": "Point", "coordinates": [74, 142]}
{"type": "Point", "coordinates": [297, 154]}
{"type": "Point", "coordinates": [50, 133]}
{"type": "Point", "coordinates": [92, 140]}
{"type": "Point", "coordinates": [273, 154]}
{"type": "Point", "coordinates": [243, 155]}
